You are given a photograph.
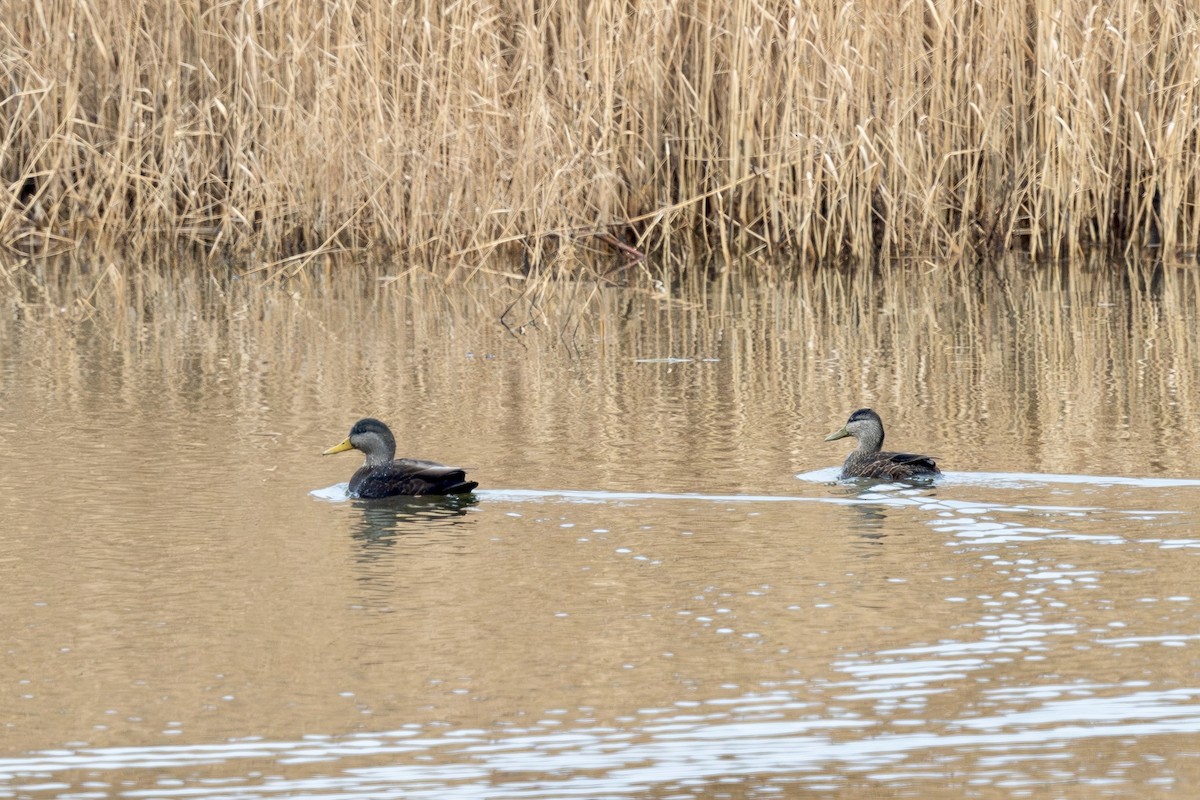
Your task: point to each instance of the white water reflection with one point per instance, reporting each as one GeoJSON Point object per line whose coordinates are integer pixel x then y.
{"type": "Point", "coordinates": [991, 522]}
{"type": "Point", "coordinates": [762, 737]}
{"type": "Point", "coordinates": [974, 520]}
{"type": "Point", "coordinates": [1015, 480]}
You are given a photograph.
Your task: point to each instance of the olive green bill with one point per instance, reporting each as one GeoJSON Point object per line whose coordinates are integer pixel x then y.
{"type": "Point", "coordinates": [840, 434]}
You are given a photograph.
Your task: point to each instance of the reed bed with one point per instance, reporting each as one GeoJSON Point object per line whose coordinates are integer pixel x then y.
{"type": "Point", "coordinates": [274, 135]}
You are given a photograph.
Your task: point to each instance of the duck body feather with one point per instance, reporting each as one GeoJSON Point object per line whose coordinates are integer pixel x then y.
{"type": "Point", "coordinates": [889, 466]}
{"type": "Point", "coordinates": [409, 476]}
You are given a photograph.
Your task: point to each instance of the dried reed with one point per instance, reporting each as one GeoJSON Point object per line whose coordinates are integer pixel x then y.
{"type": "Point", "coordinates": [273, 133]}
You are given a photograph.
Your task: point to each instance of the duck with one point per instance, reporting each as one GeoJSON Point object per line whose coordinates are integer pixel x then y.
{"type": "Point", "coordinates": [384, 475]}
{"type": "Point", "coordinates": [869, 460]}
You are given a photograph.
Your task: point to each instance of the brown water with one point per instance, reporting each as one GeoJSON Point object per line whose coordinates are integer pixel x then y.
{"type": "Point", "coordinates": [659, 591]}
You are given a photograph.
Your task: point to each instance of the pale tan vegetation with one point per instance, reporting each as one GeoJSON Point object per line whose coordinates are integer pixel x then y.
{"type": "Point", "coordinates": [272, 133]}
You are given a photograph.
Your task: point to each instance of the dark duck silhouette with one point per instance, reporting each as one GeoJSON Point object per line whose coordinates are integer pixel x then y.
{"type": "Point", "coordinates": [384, 475]}
{"type": "Point", "coordinates": [869, 460]}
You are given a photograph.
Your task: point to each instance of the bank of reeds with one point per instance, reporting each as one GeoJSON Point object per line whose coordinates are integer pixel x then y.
{"type": "Point", "coordinates": [271, 132]}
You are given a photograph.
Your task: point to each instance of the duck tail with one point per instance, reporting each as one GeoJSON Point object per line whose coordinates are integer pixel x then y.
{"type": "Point", "coordinates": [459, 487]}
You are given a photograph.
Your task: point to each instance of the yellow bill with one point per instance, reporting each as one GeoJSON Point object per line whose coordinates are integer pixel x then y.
{"type": "Point", "coordinates": [337, 448]}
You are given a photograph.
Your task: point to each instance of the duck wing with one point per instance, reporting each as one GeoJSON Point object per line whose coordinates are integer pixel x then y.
{"type": "Point", "coordinates": [928, 462]}
{"type": "Point", "coordinates": [410, 476]}
{"type": "Point", "coordinates": [889, 466]}
{"type": "Point", "coordinates": [906, 465]}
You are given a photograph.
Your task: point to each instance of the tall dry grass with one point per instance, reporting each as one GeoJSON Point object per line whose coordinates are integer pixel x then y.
{"type": "Point", "coordinates": [269, 133]}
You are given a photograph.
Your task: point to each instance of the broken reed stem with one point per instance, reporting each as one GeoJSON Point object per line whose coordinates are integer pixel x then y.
{"type": "Point", "coordinates": [273, 134]}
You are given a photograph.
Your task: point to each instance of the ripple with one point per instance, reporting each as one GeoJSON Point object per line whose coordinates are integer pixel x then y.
{"type": "Point", "coordinates": [1020, 480]}
{"type": "Point", "coordinates": [675, 750]}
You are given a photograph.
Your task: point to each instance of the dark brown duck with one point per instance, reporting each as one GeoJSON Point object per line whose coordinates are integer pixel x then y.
{"type": "Point", "coordinates": [869, 460]}
{"type": "Point", "coordinates": [384, 475]}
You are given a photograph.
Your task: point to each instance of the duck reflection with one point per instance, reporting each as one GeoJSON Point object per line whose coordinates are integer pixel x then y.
{"type": "Point", "coordinates": [381, 524]}
{"type": "Point", "coordinates": [403, 547]}
{"type": "Point", "coordinates": [875, 499]}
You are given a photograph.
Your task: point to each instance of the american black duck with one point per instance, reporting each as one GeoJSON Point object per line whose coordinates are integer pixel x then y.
{"type": "Point", "coordinates": [869, 460]}
{"type": "Point", "coordinates": [384, 475]}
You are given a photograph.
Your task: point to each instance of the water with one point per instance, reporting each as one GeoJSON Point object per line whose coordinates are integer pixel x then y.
{"type": "Point", "coordinates": [660, 590]}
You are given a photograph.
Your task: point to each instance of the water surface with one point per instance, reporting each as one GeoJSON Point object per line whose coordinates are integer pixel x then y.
{"type": "Point", "coordinates": [660, 590]}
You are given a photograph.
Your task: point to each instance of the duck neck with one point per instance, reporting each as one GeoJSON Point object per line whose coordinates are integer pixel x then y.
{"type": "Point", "coordinates": [870, 441]}
{"type": "Point", "coordinates": [376, 458]}
{"type": "Point", "coordinates": [378, 448]}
